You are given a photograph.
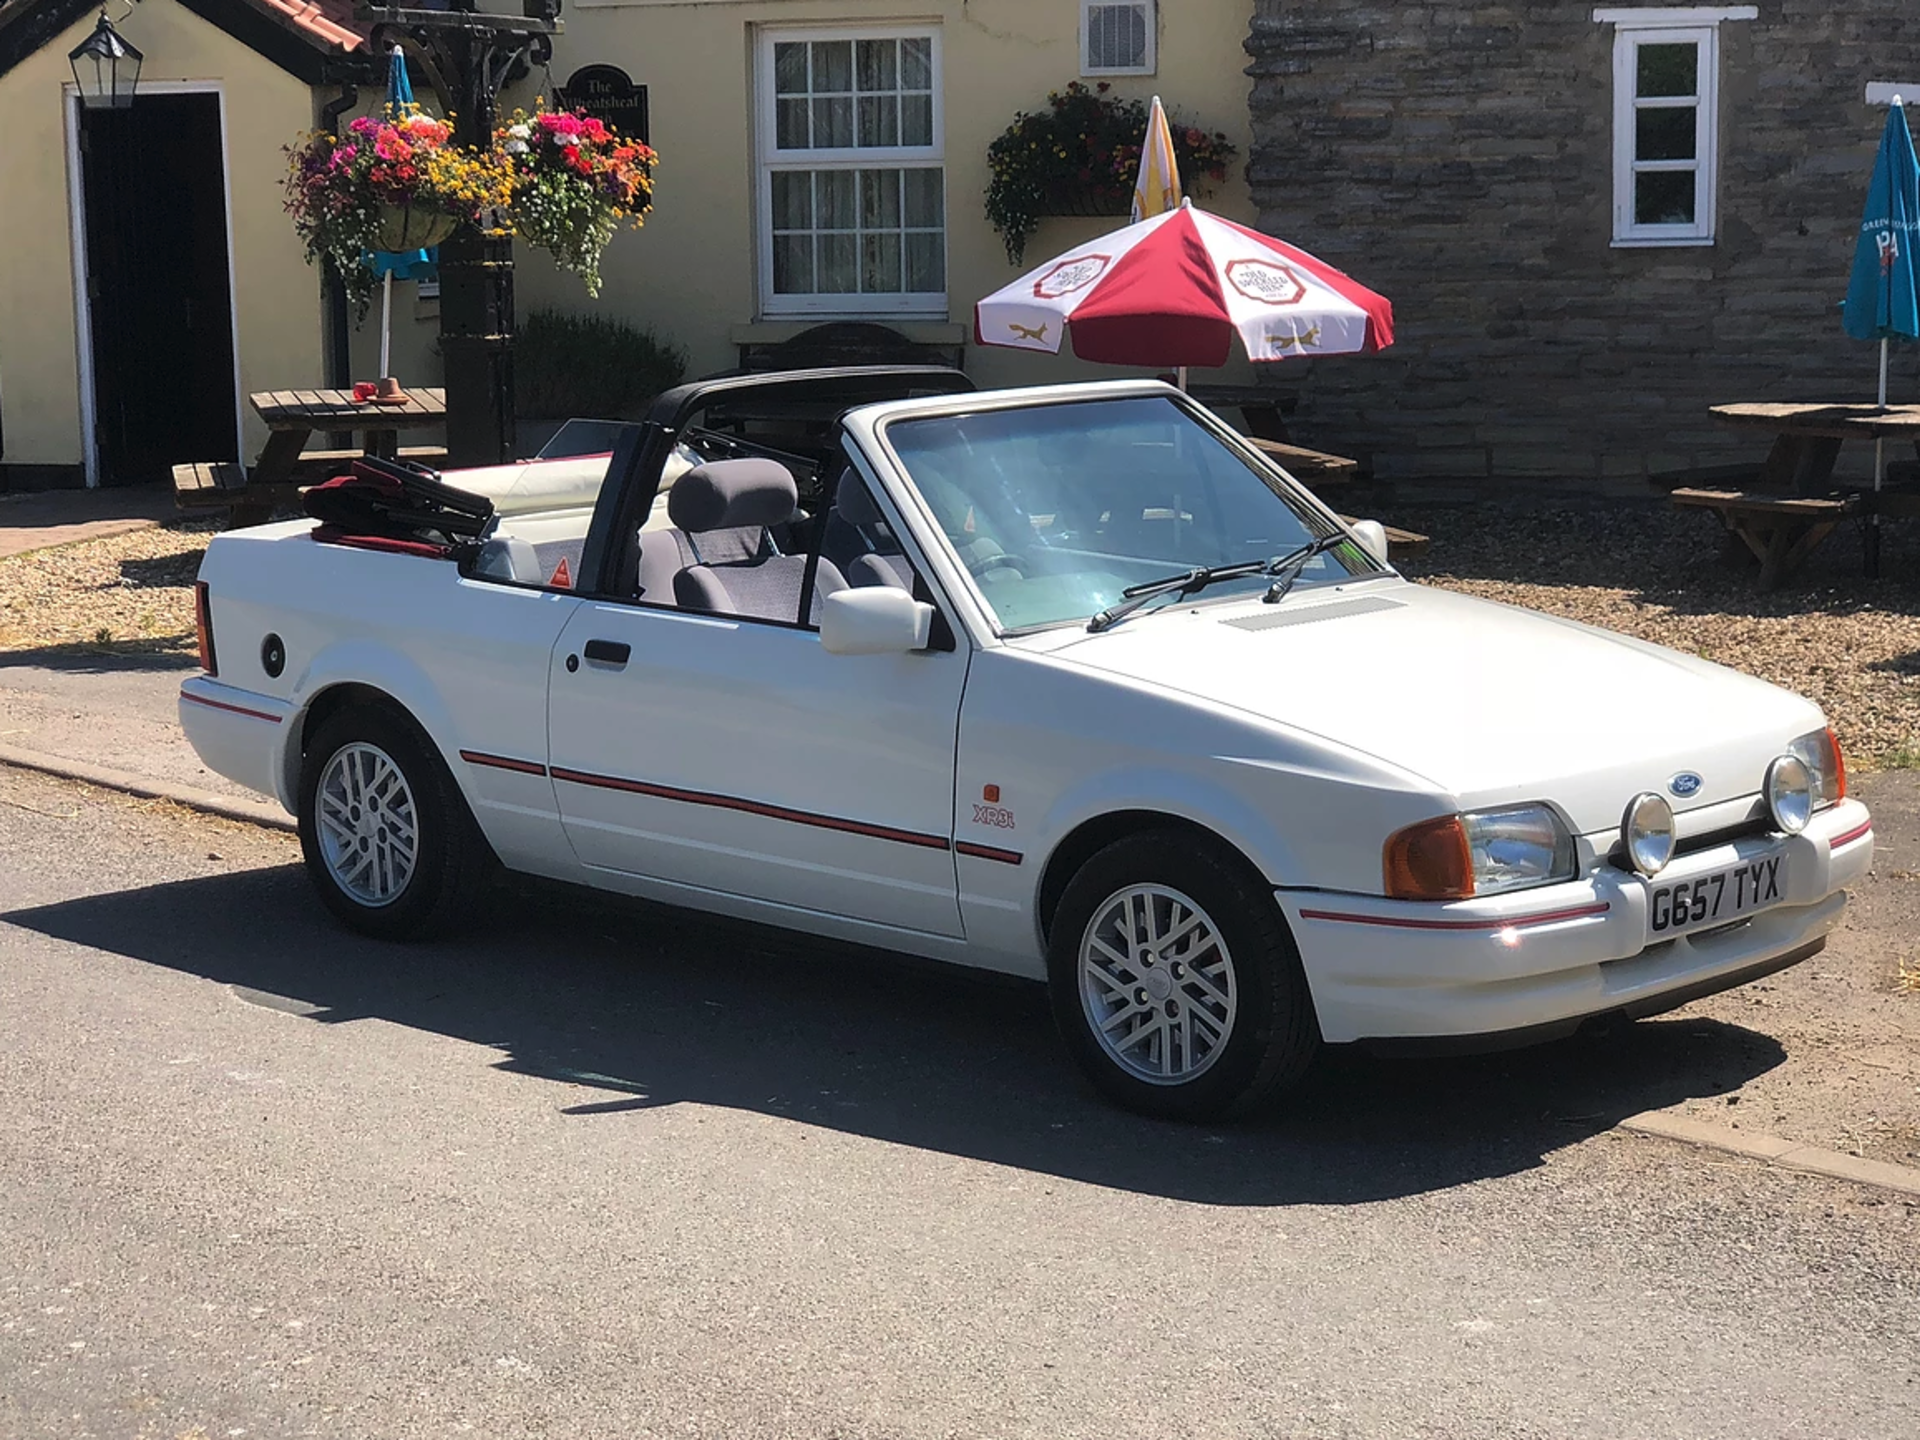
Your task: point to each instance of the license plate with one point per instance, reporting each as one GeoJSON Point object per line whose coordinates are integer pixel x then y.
{"type": "Point", "coordinates": [1718, 898]}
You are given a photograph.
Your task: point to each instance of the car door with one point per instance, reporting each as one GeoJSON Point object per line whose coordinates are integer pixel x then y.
{"type": "Point", "coordinates": [732, 755]}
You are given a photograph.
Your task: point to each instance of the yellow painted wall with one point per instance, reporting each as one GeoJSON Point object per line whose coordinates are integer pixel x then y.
{"type": "Point", "coordinates": [276, 294]}
{"type": "Point", "coordinates": [691, 274]}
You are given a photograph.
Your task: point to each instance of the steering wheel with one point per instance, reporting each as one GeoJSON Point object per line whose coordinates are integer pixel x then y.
{"type": "Point", "coordinates": [999, 560]}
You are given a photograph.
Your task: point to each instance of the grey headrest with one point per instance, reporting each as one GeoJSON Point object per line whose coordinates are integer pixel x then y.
{"type": "Point", "coordinates": [854, 501]}
{"type": "Point", "coordinates": [724, 493]}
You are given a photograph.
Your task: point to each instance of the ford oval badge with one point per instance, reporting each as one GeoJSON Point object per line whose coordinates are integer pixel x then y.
{"type": "Point", "coordinates": [1685, 783]}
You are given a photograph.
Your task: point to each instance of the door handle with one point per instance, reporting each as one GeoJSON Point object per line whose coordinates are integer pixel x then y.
{"type": "Point", "coordinates": [608, 652]}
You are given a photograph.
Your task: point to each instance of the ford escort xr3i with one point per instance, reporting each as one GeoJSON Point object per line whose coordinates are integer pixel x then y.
{"type": "Point", "coordinates": [1066, 682]}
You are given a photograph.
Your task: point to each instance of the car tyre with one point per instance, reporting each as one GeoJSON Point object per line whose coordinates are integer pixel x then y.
{"type": "Point", "coordinates": [388, 839]}
{"type": "Point", "coordinates": [1175, 981]}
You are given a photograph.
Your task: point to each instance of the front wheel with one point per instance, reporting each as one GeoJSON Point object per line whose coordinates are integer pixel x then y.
{"type": "Point", "coordinates": [1175, 982]}
{"type": "Point", "coordinates": [386, 835]}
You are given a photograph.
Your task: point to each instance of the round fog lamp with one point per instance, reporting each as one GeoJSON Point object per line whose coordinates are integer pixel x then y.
{"type": "Point", "coordinates": [1790, 793]}
{"type": "Point", "coordinates": [1647, 831]}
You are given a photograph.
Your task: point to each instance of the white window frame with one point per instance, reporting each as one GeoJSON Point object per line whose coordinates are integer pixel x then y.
{"type": "Point", "coordinates": [1698, 25]}
{"type": "Point", "coordinates": [1149, 63]}
{"type": "Point", "coordinates": [771, 158]}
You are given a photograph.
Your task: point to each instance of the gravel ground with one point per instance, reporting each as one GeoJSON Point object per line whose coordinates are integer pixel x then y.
{"type": "Point", "coordinates": [128, 594]}
{"type": "Point", "coordinates": [1628, 564]}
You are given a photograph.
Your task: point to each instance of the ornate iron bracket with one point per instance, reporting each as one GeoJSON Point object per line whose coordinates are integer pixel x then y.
{"type": "Point", "coordinates": [466, 54]}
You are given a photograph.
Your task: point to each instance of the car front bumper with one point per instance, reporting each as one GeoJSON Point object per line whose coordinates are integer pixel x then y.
{"type": "Point", "coordinates": [1538, 962]}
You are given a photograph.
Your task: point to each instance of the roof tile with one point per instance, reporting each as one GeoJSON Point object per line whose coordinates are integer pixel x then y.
{"type": "Point", "coordinates": [329, 21]}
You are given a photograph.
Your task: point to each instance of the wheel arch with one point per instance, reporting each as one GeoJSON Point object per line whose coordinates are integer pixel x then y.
{"type": "Point", "coordinates": [325, 703]}
{"type": "Point", "coordinates": [1093, 835]}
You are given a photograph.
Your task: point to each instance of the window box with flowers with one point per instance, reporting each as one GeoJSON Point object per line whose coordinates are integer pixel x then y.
{"type": "Point", "coordinates": [1081, 156]}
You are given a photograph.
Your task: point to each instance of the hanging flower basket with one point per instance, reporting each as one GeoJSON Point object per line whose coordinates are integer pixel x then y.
{"type": "Point", "coordinates": [394, 182]}
{"type": "Point", "coordinates": [402, 227]}
{"type": "Point", "coordinates": [575, 182]}
{"type": "Point", "coordinates": [1080, 156]}
{"type": "Point", "coordinates": [1085, 200]}
{"type": "Point", "coordinates": [561, 181]}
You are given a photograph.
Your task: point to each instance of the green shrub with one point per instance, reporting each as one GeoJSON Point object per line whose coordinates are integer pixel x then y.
{"type": "Point", "coordinates": [589, 365]}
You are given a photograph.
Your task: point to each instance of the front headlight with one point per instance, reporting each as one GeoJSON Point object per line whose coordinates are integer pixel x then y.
{"type": "Point", "coordinates": [1517, 847]}
{"type": "Point", "coordinates": [1819, 751]}
{"type": "Point", "coordinates": [1484, 852]}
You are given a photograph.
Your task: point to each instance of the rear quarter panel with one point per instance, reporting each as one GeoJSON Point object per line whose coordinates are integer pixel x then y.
{"type": "Point", "coordinates": [468, 660]}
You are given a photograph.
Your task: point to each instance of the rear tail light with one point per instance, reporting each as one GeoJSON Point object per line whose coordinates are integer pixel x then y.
{"type": "Point", "coordinates": [203, 621]}
{"type": "Point", "coordinates": [1429, 861]}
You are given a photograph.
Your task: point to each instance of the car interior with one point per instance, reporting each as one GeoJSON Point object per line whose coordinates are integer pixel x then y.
{"type": "Point", "coordinates": [731, 530]}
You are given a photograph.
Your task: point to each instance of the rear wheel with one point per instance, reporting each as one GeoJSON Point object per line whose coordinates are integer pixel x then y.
{"type": "Point", "coordinates": [387, 837]}
{"type": "Point", "coordinates": [1175, 981]}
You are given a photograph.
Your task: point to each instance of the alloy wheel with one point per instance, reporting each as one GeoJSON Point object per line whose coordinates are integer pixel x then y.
{"type": "Point", "coordinates": [367, 824]}
{"type": "Point", "coordinates": [1157, 984]}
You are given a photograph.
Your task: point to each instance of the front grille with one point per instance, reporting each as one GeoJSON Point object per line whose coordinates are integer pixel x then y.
{"type": "Point", "coordinates": [1758, 825]}
{"type": "Point", "coordinates": [1693, 844]}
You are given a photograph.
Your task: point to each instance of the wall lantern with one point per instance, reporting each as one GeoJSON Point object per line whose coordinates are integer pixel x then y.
{"type": "Point", "coordinates": [105, 66]}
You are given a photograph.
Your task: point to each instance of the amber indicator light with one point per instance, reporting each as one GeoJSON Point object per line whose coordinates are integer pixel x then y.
{"type": "Point", "coordinates": [1429, 861]}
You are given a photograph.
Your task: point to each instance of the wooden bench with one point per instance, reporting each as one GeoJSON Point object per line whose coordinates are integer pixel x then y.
{"type": "Point", "coordinates": [1781, 530]}
{"type": "Point", "coordinates": [1401, 544]}
{"type": "Point", "coordinates": [313, 466]}
{"type": "Point", "coordinates": [222, 484]}
{"type": "Point", "coordinates": [1307, 466]}
{"type": "Point", "coordinates": [1740, 476]}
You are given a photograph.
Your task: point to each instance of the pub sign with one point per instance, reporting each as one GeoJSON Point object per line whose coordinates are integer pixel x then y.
{"type": "Point", "coordinates": [608, 93]}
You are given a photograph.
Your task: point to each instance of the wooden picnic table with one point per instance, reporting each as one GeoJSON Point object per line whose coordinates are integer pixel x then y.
{"type": "Point", "coordinates": [293, 415]}
{"type": "Point", "coordinates": [286, 465]}
{"type": "Point", "coordinates": [1795, 503]}
{"type": "Point", "coordinates": [1263, 408]}
{"type": "Point", "coordinates": [1807, 438]}
{"type": "Point", "coordinates": [1311, 467]}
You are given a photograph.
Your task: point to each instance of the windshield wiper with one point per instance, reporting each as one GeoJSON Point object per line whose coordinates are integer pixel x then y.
{"type": "Point", "coordinates": [1187, 582]}
{"type": "Point", "coordinates": [1287, 568]}
{"type": "Point", "coordinates": [1190, 582]}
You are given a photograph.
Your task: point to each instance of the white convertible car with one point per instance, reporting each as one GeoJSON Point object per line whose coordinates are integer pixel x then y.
{"type": "Point", "coordinates": [1066, 682]}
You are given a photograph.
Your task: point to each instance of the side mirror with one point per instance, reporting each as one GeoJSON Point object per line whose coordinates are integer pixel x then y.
{"type": "Point", "coordinates": [874, 620]}
{"type": "Point", "coordinates": [1372, 536]}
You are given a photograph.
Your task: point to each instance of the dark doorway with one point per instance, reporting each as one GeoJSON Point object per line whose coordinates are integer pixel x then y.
{"type": "Point", "coordinates": [153, 185]}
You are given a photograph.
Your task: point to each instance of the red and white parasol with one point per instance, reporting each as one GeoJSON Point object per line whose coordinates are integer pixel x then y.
{"type": "Point", "coordinates": [1174, 289]}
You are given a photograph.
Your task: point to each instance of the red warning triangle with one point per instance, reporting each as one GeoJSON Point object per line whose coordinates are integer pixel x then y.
{"type": "Point", "coordinates": [562, 576]}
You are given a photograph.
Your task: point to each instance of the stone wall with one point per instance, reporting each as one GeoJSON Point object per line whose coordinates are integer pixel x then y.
{"type": "Point", "coordinates": [1458, 158]}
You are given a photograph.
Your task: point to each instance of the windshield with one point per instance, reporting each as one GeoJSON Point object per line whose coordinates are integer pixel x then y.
{"type": "Point", "coordinates": [1056, 509]}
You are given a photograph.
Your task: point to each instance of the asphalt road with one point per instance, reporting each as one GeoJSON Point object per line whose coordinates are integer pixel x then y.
{"type": "Point", "coordinates": [613, 1172]}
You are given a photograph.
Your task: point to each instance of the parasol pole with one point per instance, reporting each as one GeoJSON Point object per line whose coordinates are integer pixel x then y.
{"type": "Point", "coordinates": [386, 323]}
{"type": "Point", "coordinates": [1879, 476]}
{"type": "Point", "coordinates": [1181, 377]}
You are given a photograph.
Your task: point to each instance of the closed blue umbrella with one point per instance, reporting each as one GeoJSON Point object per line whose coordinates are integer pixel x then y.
{"type": "Point", "coordinates": [406, 264]}
{"type": "Point", "coordinates": [1882, 299]}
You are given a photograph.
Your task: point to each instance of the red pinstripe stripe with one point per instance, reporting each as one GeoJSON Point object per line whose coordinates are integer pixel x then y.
{"type": "Point", "coordinates": [987, 852]}
{"type": "Point", "coordinates": [753, 807]}
{"type": "Point", "coordinates": [502, 762]}
{"type": "Point", "coordinates": [1862, 829]}
{"type": "Point", "coordinates": [1547, 917]}
{"type": "Point", "coordinates": [236, 709]}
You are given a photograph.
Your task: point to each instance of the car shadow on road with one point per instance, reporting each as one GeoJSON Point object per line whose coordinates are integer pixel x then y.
{"type": "Point", "coordinates": [107, 657]}
{"type": "Point", "coordinates": [630, 1007]}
